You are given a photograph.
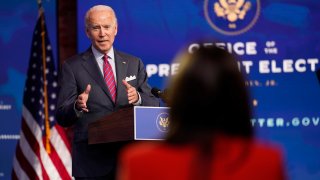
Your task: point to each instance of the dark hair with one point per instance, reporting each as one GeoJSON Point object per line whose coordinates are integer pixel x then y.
{"type": "Point", "coordinates": [208, 96]}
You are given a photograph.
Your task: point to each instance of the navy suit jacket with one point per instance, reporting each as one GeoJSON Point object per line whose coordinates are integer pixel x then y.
{"type": "Point", "coordinates": [76, 73]}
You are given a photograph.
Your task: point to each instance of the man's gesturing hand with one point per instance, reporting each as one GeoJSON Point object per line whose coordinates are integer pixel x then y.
{"type": "Point", "coordinates": [131, 91]}
{"type": "Point", "coordinates": [81, 103]}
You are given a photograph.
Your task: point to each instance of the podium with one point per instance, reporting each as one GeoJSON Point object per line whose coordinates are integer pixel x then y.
{"type": "Point", "coordinates": [130, 123]}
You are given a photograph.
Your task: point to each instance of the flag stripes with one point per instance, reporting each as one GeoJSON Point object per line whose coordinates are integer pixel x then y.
{"type": "Point", "coordinates": [43, 151]}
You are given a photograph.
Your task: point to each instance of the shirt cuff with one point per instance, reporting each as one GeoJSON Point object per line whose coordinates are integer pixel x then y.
{"type": "Point", "coordinates": [138, 103]}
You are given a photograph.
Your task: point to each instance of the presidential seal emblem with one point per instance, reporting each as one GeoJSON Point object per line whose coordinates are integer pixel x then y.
{"type": "Point", "coordinates": [231, 17]}
{"type": "Point", "coordinates": [163, 122]}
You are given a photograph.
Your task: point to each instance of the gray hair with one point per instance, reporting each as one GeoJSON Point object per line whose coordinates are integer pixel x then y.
{"type": "Point", "coordinates": [98, 8]}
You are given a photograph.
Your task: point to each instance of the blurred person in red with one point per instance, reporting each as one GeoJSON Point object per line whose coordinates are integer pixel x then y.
{"type": "Point", "coordinates": [210, 134]}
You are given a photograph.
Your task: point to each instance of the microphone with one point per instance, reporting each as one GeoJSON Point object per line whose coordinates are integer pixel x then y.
{"type": "Point", "coordinates": [159, 94]}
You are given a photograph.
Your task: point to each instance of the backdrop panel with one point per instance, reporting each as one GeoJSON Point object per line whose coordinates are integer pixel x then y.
{"type": "Point", "coordinates": [276, 40]}
{"type": "Point", "coordinates": [17, 19]}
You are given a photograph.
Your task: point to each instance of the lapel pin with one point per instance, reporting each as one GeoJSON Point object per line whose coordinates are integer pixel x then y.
{"type": "Point", "coordinates": [123, 62]}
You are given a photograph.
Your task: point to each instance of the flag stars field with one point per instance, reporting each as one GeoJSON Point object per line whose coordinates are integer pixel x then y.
{"type": "Point", "coordinates": [44, 151]}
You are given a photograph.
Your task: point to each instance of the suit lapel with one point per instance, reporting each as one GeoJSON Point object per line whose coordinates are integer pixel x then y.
{"type": "Point", "coordinates": [121, 70]}
{"type": "Point", "coordinates": [91, 66]}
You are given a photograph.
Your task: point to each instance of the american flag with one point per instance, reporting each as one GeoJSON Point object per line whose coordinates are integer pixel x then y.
{"type": "Point", "coordinates": [43, 151]}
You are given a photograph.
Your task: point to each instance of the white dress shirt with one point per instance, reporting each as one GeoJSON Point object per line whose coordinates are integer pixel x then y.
{"type": "Point", "coordinates": [99, 58]}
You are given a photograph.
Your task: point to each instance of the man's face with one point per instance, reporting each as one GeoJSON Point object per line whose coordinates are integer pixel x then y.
{"type": "Point", "coordinates": [101, 30]}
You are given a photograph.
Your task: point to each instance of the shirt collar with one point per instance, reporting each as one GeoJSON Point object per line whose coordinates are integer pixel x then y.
{"type": "Point", "coordinates": [99, 55]}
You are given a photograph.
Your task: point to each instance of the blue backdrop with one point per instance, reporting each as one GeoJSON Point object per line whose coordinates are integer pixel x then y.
{"type": "Point", "coordinates": [17, 19]}
{"type": "Point", "coordinates": [276, 40]}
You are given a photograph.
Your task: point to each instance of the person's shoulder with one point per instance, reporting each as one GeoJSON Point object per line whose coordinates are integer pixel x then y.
{"type": "Point", "coordinates": [267, 147]}
{"type": "Point", "coordinates": [268, 159]}
{"type": "Point", "coordinates": [145, 150]}
{"type": "Point", "coordinates": [76, 58]}
{"type": "Point", "coordinates": [140, 148]}
{"type": "Point", "coordinates": [269, 152]}
{"type": "Point", "coordinates": [125, 55]}
{"type": "Point", "coordinates": [256, 147]}
{"type": "Point", "coordinates": [260, 150]}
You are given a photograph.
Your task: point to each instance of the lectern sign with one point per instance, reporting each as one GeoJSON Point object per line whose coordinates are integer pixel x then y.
{"type": "Point", "coordinates": [150, 123]}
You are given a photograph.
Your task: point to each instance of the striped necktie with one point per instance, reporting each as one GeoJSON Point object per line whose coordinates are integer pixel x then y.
{"type": "Point", "coordinates": [109, 77]}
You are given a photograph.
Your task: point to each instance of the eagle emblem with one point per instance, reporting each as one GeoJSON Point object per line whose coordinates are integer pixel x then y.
{"type": "Point", "coordinates": [164, 122]}
{"type": "Point", "coordinates": [232, 10]}
{"type": "Point", "coordinates": [232, 17]}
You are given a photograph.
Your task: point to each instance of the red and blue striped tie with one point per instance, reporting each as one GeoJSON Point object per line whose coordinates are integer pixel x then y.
{"type": "Point", "coordinates": [109, 78]}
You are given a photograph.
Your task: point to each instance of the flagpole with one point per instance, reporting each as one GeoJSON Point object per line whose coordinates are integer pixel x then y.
{"type": "Point", "coordinates": [45, 84]}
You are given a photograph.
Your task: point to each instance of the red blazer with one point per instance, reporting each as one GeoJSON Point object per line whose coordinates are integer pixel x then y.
{"type": "Point", "coordinates": [232, 159]}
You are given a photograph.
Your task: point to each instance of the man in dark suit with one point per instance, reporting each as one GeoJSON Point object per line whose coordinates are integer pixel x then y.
{"type": "Point", "coordinates": [94, 84]}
